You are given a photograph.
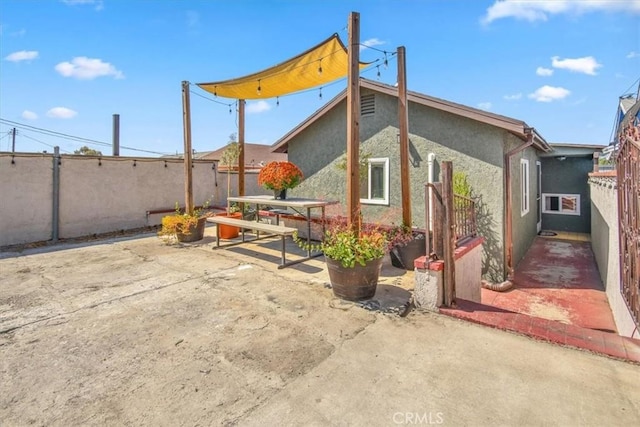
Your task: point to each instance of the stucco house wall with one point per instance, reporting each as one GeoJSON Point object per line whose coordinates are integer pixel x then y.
{"type": "Point", "coordinates": [524, 225]}
{"type": "Point", "coordinates": [475, 148]}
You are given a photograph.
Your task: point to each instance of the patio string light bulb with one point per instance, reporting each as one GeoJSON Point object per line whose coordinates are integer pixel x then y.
{"type": "Point", "coordinates": [259, 88]}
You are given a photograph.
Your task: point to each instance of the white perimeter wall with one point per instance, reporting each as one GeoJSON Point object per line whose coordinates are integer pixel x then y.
{"type": "Point", "coordinates": [99, 195]}
{"type": "Point", "coordinates": [605, 244]}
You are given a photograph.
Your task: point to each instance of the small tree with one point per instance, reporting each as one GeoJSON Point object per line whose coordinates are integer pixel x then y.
{"type": "Point", "coordinates": [229, 158]}
{"type": "Point", "coordinates": [86, 151]}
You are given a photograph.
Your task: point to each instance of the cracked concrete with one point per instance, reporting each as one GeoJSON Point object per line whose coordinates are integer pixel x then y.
{"type": "Point", "coordinates": [134, 332]}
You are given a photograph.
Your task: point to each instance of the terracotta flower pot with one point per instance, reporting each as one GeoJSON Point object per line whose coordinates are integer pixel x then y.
{"type": "Point", "coordinates": [229, 231]}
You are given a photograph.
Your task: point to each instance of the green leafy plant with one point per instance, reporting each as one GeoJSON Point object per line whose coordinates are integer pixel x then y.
{"type": "Point", "coordinates": [461, 184]}
{"type": "Point", "coordinates": [229, 158]}
{"type": "Point", "coordinates": [343, 244]}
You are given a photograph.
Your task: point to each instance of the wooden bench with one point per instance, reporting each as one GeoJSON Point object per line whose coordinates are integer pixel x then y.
{"type": "Point", "coordinates": [243, 225]}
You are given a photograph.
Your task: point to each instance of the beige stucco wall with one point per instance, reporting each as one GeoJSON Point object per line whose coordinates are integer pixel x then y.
{"type": "Point", "coordinates": [605, 244]}
{"type": "Point", "coordinates": [99, 195]}
{"type": "Point", "coordinates": [25, 198]}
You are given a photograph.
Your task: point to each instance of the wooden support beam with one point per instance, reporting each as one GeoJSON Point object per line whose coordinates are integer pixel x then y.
{"type": "Point", "coordinates": [353, 123]}
{"type": "Point", "coordinates": [403, 129]}
{"type": "Point", "coordinates": [186, 125]}
{"type": "Point", "coordinates": [241, 104]}
{"type": "Point", "coordinates": [449, 235]}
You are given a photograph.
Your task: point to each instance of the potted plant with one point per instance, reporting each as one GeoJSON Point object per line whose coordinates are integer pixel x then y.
{"type": "Point", "coordinates": [405, 245]}
{"type": "Point", "coordinates": [183, 226]}
{"type": "Point", "coordinates": [353, 259]}
{"type": "Point", "coordinates": [229, 158]}
{"type": "Point", "coordinates": [280, 176]}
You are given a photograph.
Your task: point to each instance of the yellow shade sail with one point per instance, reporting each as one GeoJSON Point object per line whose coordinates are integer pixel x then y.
{"type": "Point", "coordinates": [324, 63]}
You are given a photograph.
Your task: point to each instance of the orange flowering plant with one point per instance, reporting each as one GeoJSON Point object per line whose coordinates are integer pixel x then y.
{"type": "Point", "coordinates": [280, 176]}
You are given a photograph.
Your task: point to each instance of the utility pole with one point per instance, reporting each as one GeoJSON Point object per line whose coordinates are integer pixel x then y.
{"type": "Point", "coordinates": [13, 140]}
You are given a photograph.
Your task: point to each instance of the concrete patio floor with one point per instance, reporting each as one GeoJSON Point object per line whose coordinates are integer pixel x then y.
{"type": "Point", "coordinates": [559, 297]}
{"type": "Point", "coordinates": [133, 332]}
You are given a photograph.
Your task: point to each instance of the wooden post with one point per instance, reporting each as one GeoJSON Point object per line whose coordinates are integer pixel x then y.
{"type": "Point", "coordinates": [449, 235]}
{"type": "Point", "coordinates": [403, 128]}
{"type": "Point", "coordinates": [188, 173]}
{"type": "Point", "coordinates": [241, 104]}
{"type": "Point", "coordinates": [353, 123]}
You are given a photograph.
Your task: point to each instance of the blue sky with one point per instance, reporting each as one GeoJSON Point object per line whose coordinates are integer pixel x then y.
{"type": "Point", "coordinates": [68, 65]}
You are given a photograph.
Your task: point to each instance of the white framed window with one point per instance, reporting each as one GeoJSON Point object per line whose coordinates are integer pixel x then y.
{"type": "Point", "coordinates": [561, 204]}
{"type": "Point", "coordinates": [374, 189]}
{"type": "Point", "coordinates": [524, 183]}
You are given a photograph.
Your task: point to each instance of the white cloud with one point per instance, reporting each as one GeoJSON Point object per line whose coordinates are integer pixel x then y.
{"type": "Point", "coordinates": [541, 71]}
{"type": "Point", "coordinates": [484, 105]}
{"type": "Point", "coordinates": [22, 55]}
{"type": "Point", "coordinates": [549, 93]}
{"type": "Point", "coordinates": [541, 10]}
{"type": "Point", "coordinates": [29, 115]}
{"type": "Point", "coordinates": [513, 97]}
{"type": "Point", "coordinates": [98, 3]}
{"type": "Point", "coordinates": [370, 43]}
{"type": "Point", "coordinates": [633, 54]}
{"type": "Point", "coordinates": [85, 68]}
{"type": "Point", "coordinates": [586, 65]}
{"type": "Point", "coordinates": [258, 107]}
{"type": "Point", "coordinates": [61, 113]}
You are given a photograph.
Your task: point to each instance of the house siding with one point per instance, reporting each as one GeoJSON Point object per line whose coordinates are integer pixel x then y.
{"type": "Point", "coordinates": [524, 226]}
{"type": "Point", "coordinates": [474, 148]}
{"type": "Point", "coordinates": [569, 176]}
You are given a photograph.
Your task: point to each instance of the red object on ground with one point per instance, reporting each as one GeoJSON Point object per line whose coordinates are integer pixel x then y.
{"type": "Point", "coordinates": [558, 296]}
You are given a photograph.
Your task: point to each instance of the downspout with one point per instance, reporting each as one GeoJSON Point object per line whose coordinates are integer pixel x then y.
{"type": "Point", "coordinates": [508, 201]}
{"type": "Point", "coordinates": [430, 179]}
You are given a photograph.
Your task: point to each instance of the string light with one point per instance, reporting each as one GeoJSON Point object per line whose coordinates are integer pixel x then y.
{"type": "Point", "coordinates": [215, 91]}
{"type": "Point", "coordinates": [259, 88]}
{"type": "Point", "coordinates": [320, 67]}
{"type": "Point", "coordinates": [277, 101]}
{"type": "Point", "coordinates": [378, 73]}
{"type": "Point", "coordinates": [320, 92]}
{"type": "Point", "coordinates": [386, 63]}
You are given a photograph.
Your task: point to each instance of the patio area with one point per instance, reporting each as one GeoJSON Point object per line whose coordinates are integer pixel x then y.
{"type": "Point", "coordinates": [130, 331]}
{"type": "Point", "coordinates": [558, 296]}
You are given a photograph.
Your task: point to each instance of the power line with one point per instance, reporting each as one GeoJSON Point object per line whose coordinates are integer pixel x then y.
{"type": "Point", "coordinates": [71, 137]}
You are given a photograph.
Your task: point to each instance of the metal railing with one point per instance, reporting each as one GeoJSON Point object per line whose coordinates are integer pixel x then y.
{"type": "Point", "coordinates": [464, 211]}
{"type": "Point", "coordinates": [464, 214]}
{"type": "Point", "coordinates": [628, 173]}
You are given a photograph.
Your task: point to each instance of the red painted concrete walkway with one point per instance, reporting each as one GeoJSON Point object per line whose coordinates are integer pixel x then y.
{"type": "Point", "coordinates": [558, 296]}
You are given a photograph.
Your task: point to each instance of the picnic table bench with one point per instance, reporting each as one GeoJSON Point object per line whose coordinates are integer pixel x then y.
{"type": "Point", "coordinates": [243, 225]}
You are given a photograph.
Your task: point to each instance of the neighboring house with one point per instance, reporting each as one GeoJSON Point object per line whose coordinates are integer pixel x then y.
{"type": "Point", "coordinates": [255, 156]}
{"type": "Point", "coordinates": [479, 143]}
{"type": "Point", "coordinates": [566, 204]}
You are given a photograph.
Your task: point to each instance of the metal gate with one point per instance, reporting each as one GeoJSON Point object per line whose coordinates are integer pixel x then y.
{"type": "Point", "coordinates": [628, 171]}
